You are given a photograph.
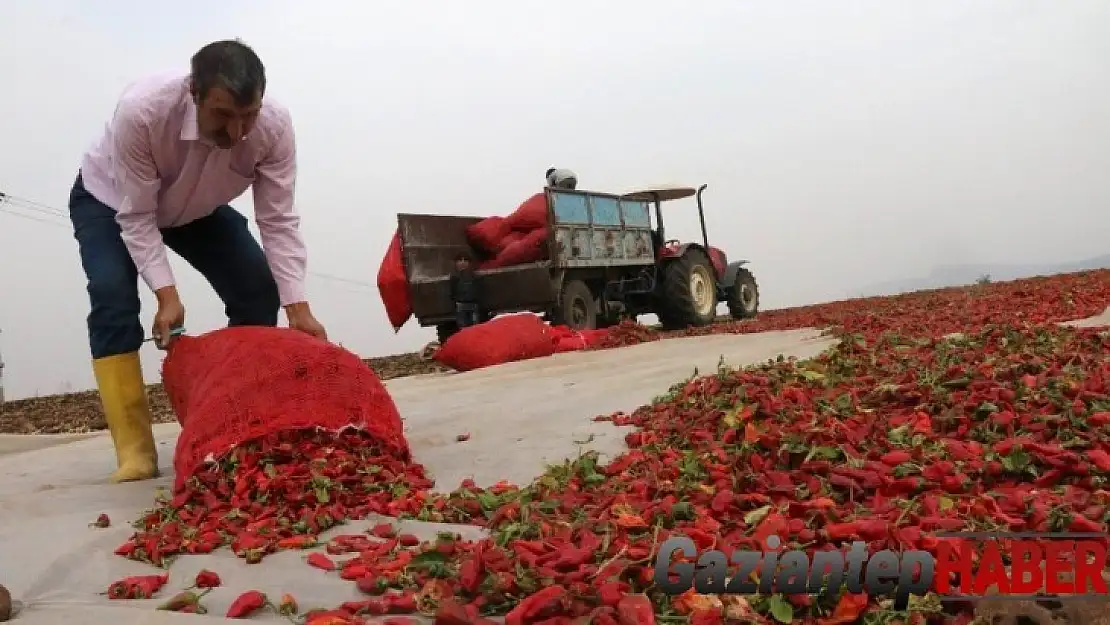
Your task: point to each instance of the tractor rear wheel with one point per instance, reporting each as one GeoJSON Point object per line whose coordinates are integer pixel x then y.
{"type": "Point", "coordinates": [743, 297]}
{"type": "Point", "coordinates": [689, 292]}
{"type": "Point", "coordinates": [576, 307]}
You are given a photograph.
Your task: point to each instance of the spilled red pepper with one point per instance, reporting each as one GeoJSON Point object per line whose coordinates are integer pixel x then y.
{"type": "Point", "coordinates": [247, 604]}
{"type": "Point", "coordinates": [952, 410]}
{"type": "Point", "coordinates": [137, 587]}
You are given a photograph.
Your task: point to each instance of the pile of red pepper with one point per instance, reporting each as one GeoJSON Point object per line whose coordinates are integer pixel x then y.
{"type": "Point", "coordinates": [965, 409]}
{"type": "Point", "coordinates": [279, 492]}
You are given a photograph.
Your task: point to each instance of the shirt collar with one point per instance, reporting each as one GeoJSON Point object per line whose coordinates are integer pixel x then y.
{"type": "Point", "coordinates": [189, 129]}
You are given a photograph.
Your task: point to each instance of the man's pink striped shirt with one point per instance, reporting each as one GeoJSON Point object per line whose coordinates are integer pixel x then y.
{"type": "Point", "coordinates": [156, 171]}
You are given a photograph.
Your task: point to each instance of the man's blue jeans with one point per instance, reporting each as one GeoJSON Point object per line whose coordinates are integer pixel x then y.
{"type": "Point", "coordinates": [219, 246]}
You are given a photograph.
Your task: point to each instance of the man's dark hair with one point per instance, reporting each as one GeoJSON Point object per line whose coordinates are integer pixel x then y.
{"type": "Point", "coordinates": [462, 256]}
{"type": "Point", "coordinates": [231, 65]}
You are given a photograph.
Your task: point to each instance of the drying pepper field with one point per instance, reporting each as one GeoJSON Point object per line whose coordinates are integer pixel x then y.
{"type": "Point", "coordinates": [960, 409]}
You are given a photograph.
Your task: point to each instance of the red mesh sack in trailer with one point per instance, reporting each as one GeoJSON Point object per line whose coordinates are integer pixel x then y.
{"type": "Point", "coordinates": [394, 285]}
{"type": "Point", "coordinates": [233, 385]}
{"type": "Point", "coordinates": [528, 249]}
{"type": "Point", "coordinates": [507, 240]}
{"type": "Point", "coordinates": [530, 215]}
{"type": "Point", "coordinates": [501, 340]}
{"type": "Point", "coordinates": [487, 234]}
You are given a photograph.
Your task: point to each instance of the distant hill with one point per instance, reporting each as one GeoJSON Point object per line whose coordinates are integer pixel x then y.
{"type": "Point", "coordinates": [957, 275]}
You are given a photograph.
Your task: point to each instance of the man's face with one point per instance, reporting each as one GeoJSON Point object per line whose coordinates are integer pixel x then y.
{"type": "Point", "coordinates": [462, 264]}
{"type": "Point", "coordinates": [222, 121]}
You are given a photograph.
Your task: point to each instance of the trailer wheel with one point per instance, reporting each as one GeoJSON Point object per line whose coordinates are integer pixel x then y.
{"type": "Point", "coordinates": [446, 330]}
{"type": "Point", "coordinates": [576, 307]}
{"type": "Point", "coordinates": [689, 292]}
{"type": "Point", "coordinates": [743, 297]}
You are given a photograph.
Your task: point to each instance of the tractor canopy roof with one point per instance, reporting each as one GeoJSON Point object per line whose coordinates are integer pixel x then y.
{"type": "Point", "coordinates": [662, 193]}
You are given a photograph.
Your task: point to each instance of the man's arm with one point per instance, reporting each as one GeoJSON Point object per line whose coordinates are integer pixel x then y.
{"type": "Point", "coordinates": [453, 282]}
{"type": "Point", "coordinates": [278, 222]}
{"type": "Point", "coordinates": [138, 178]}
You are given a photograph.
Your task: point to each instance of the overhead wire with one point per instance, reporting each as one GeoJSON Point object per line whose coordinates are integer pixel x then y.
{"type": "Point", "coordinates": [14, 206]}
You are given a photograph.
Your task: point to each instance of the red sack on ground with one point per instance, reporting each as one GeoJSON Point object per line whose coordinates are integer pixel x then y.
{"type": "Point", "coordinates": [568, 340]}
{"type": "Point", "coordinates": [394, 286]}
{"type": "Point", "coordinates": [528, 249]}
{"type": "Point", "coordinates": [487, 234]}
{"type": "Point", "coordinates": [234, 385]}
{"type": "Point", "coordinates": [593, 338]}
{"type": "Point", "coordinates": [504, 339]}
{"type": "Point", "coordinates": [530, 215]}
{"type": "Point", "coordinates": [507, 240]}
{"type": "Point", "coordinates": [569, 344]}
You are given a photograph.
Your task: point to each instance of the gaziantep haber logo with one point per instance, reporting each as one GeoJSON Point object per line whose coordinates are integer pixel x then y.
{"type": "Point", "coordinates": [966, 565]}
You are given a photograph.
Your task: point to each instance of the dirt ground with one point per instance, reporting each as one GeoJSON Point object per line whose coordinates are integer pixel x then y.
{"type": "Point", "coordinates": [75, 413]}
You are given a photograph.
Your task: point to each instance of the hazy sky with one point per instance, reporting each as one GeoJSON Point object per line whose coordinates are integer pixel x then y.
{"type": "Point", "coordinates": [844, 143]}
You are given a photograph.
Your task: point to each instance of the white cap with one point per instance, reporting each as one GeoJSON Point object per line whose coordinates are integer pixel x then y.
{"type": "Point", "coordinates": [560, 178]}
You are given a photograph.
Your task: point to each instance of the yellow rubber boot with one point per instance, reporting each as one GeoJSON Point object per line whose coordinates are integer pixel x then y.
{"type": "Point", "coordinates": [123, 397]}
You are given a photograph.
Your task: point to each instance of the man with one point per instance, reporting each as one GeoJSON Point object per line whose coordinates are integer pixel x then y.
{"type": "Point", "coordinates": [562, 179]}
{"type": "Point", "coordinates": [176, 151]}
{"type": "Point", "coordinates": [465, 292]}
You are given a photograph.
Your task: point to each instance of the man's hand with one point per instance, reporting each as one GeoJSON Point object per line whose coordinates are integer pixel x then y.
{"type": "Point", "coordinates": [170, 315]}
{"type": "Point", "coordinates": [301, 318]}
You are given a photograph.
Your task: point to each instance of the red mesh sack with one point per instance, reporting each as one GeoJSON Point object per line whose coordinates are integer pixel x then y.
{"type": "Point", "coordinates": [487, 234]}
{"type": "Point", "coordinates": [394, 286]}
{"type": "Point", "coordinates": [592, 338]}
{"type": "Point", "coordinates": [504, 339]}
{"type": "Point", "coordinates": [528, 249]}
{"type": "Point", "coordinates": [231, 386]}
{"type": "Point", "coordinates": [530, 215]}
{"type": "Point", "coordinates": [507, 240]}
{"type": "Point", "coordinates": [567, 340]}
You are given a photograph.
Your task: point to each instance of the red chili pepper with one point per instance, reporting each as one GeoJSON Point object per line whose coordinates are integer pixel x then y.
{"type": "Point", "coordinates": [330, 617]}
{"type": "Point", "coordinates": [1099, 458]}
{"type": "Point", "coordinates": [297, 542]}
{"type": "Point", "coordinates": [1099, 418]}
{"type": "Point", "coordinates": [895, 458]}
{"type": "Point", "coordinates": [848, 610]}
{"type": "Point", "coordinates": [247, 604]}
{"type": "Point", "coordinates": [372, 585]}
{"type": "Point", "coordinates": [402, 603]}
{"type": "Point", "coordinates": [137, 587]}
{"type": "Point", "coordinates": [207, 579]}
{"type": "Point", "coordinates": [383, 530]}
{"type": "Point", "coordinates": [1081, 523]}
{"type": "Point", "coordinates": [185, 601]}
{"type": "Point", "coordinates": [449, 612]}
{"type": "Point", "coordinates": [470, 574]}
{"type": "Point", "coordinates": [321, 561]}
{"type": "Point", "coordinates": [610, 593]}
{"type": "Point", "coordinates": [635, 610]}
{"type": "Point", "coordinates": [532, 608]}
{"type": "Point", "coordinates": [354, 570]}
